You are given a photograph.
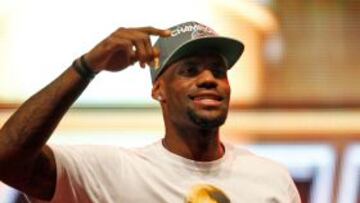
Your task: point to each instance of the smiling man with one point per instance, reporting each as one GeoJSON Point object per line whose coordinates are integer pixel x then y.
{"type": "Point", "coordinates": [189, 64]}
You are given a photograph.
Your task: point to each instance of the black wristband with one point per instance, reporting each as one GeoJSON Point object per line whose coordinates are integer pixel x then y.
{"type": "Point", "coordinates": [83, 69]}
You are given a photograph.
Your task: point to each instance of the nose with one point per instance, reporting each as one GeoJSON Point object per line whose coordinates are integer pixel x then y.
{"type": "Point", "coordinates": [206, 80]}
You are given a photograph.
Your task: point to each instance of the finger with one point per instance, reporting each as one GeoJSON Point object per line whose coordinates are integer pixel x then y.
{"type": "Point", "coordinates": [155, 62]}
{"type": "Point", "coordinates": [125, 49]}
{"type": "Point", "coordinates": [156, 31]}
{"type": "Point", "coordinates": [139, 40]}
{"type": "Point", "coordinates": [130, 54]}
{"type": "Point", "coordinates": [140, 52]}
{"type": "Point", "coordinates": [133, 58]}
{"type": "Point", "coordinates": [148, 49]}
{"type": "Point", "coordinates": [156, 52]}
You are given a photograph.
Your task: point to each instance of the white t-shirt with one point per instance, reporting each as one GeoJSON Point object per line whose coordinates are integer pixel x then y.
{"type": "Point", "coordinates": [108, 174]}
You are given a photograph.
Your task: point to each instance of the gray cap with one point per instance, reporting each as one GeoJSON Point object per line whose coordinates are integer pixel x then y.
{"type": "Point", "coordinates": [190, 37]}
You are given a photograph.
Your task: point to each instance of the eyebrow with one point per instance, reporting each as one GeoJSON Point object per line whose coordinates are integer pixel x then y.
{"type": "Point", "coordinates": [191, 62]}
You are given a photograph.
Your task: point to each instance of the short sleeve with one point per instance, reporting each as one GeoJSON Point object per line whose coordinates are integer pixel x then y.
{"type": "Point", "coordinates": [79, 169]}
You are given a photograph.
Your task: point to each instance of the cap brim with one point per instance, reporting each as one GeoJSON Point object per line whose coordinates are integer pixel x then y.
{"type": "Point", "coordinates": [230, 48]}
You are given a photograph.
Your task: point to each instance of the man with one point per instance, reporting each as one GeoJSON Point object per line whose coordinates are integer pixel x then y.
{"type": "Point", "coordinates": [189, 66]}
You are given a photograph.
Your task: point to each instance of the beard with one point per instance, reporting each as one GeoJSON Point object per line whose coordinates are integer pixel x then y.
{"type": "Point", "coordinates": [205, 122]}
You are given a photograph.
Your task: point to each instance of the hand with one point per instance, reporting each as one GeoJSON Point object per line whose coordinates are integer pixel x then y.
{"type": "Point", "coordinates": [117, 52]}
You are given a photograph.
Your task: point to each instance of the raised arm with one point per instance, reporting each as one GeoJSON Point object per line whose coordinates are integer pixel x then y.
{"type": "Point", "coordinates": [26, 163]}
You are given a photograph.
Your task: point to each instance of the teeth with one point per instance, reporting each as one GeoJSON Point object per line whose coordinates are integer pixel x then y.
{"type": "Point", "coordinates": [207, 97]}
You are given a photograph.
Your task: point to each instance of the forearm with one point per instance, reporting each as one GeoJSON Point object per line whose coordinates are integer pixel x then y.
{"type": "Point", "coordinates": [28, 129]}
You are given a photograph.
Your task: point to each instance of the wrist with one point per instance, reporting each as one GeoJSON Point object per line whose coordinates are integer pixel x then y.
{"type": "Point", "coordinates": [83, 68]}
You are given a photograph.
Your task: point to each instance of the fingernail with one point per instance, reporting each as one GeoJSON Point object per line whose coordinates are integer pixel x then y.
{"type": "Point", "coordinates": [156, 63]}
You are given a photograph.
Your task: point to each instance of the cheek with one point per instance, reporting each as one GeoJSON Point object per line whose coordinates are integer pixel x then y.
{"type": "Point", "coordinates": [175, 96]}
{"type": "Point", "coordinates": [225, 86]}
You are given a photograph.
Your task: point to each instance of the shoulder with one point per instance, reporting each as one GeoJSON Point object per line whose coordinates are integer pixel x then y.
{"type": "Point", "coordinates": [266, 174]}
{"type": "Point", "coordinates": [261, 170]}
{"type": "Point", "coordinates": [99, 153]}
{"type": "Point", "coordinates": [87, 155]}
{"type": "Point", "coordinates": [252, 163]}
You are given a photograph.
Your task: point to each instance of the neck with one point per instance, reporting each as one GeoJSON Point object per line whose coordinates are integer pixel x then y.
{"type": "Point", "coordinates": [196, 144]}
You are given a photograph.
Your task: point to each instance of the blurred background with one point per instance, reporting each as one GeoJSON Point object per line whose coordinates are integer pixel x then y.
{"type": "Point", "coordinates": [295, 91]}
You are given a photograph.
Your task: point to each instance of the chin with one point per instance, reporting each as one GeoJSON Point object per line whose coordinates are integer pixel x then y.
{"type": "Point", "coordinates": [207, 120]}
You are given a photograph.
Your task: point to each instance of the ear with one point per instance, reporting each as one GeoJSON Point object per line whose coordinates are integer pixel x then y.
{"type": "Point", "coordinates": [157, 91]}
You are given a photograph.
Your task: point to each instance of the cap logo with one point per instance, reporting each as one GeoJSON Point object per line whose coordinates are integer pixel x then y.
{"type": "Point", "coordinates": [190, 37]}
{"type": "Point", "coordinates": [196, 29]}
{"type": "Point", "coordinates": [203, 32]}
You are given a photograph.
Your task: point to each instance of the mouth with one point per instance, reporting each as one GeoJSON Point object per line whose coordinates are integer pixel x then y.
{"type": "Point", "coordinates": [207, 99]}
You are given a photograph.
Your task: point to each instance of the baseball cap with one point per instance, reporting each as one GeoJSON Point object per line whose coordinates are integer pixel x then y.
{"type": "Point", "coordinates": [191, 37]}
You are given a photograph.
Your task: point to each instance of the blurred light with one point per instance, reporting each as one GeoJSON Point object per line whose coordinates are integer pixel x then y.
{"type": "Point", "coordinates": [349, 190]}
{"type": "Point", "coordinates": [274, 48]}
{"type": "Point", "coordinates": [257, 14]}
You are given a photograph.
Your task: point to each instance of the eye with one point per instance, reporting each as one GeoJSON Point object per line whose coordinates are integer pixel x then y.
{"type": "Point", "coordinates": [190, 69]}
{"type": "Point", "coordinates": [219, 70]}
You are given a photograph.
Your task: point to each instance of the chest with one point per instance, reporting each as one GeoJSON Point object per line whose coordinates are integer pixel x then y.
{"type": "Point", "coordinates": [152, 183]}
